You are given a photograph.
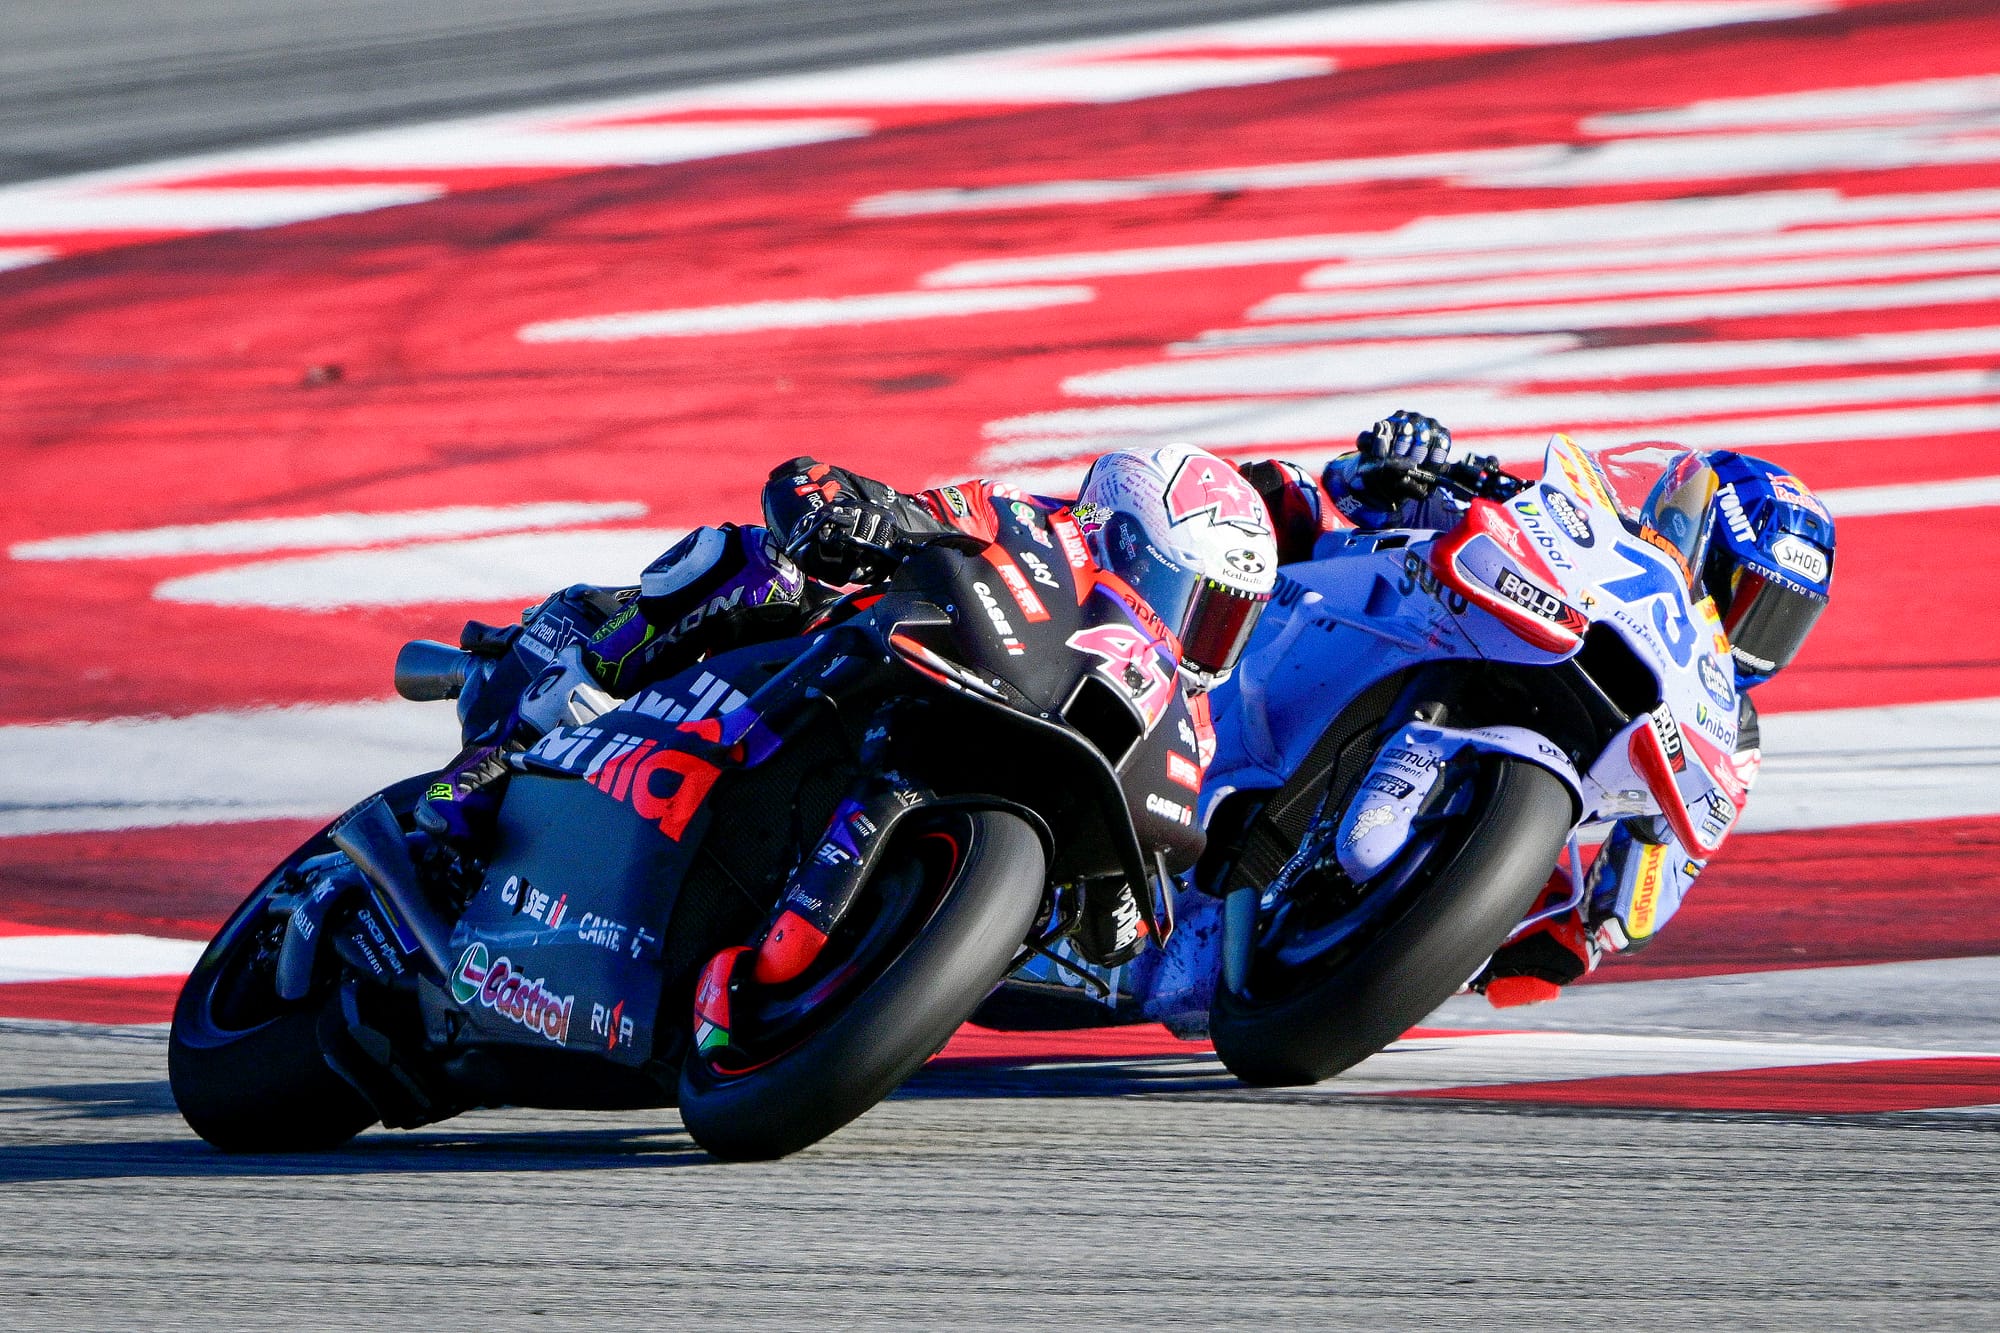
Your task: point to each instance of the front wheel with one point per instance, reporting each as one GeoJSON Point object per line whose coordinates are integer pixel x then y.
{"type": "Point", "coordinates": [949, 906]}
{"type": "Point", "coordinates": [1306, 1010]}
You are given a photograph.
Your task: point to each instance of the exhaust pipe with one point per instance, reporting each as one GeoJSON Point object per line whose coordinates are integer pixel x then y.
{"type": "Point", "coordinates": [373, 840]}
{"type": "Point", "coordinates": [427, 670]}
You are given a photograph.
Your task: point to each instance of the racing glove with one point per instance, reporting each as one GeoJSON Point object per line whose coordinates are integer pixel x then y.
{"type": "Point", "coordinates": [1388, 477]}
{"type": "Point", "coordinates": [839, 526]}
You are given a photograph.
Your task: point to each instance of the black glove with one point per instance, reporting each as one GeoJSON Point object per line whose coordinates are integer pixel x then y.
{"type": "Point", "coordinates": [839, 526]}
{"type": "Point", "coordinates": [1400, 455]}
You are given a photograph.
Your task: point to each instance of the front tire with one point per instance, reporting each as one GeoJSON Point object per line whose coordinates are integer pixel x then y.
{"type": "Point", "coordinates": [1455, 919]}
{"type": "Point", "coordinates": [886, 1031]}
{"type": "Point", "coordinates": [245, 1068]}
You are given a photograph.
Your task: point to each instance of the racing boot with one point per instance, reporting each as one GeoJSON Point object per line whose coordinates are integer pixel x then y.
{"type": "Point", "coordinates": [1535, 965]}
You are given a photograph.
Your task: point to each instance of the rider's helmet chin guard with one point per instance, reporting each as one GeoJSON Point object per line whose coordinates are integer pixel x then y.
{"type": "Point", "coordinates": [1754, 538]}
{"type": "Point", "coordinates": [1183, 530]}
{"type": "Point", "coordinates": [1769, 563]}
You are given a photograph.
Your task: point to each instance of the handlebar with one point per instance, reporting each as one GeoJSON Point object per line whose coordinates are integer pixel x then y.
{"type": "Point", "coordinates": [1474, 477]}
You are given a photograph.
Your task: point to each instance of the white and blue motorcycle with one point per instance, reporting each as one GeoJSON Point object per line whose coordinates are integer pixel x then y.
{"type": "Point", "coordinates": [1422, 724]}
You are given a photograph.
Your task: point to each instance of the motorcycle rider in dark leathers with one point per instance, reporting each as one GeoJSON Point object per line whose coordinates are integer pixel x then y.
{"type": "Point", "coordinates": [1744, 530]}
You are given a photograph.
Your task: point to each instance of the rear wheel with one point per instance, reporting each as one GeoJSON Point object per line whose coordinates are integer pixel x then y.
{"type": "Point", "coordinates": [1338, 971]}
{"type": "Point", "coordinates": [938, 925]}
{"type": "Point", "coordinates": [246, 1067]}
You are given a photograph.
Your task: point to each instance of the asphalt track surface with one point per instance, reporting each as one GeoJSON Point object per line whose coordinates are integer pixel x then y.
{"type": "Point", "coordinates": [1005, 1200]}
{"type": "Point", "coordinates": [92, 85]}
{"type": "Point", "coordinates": [1540, 1177]}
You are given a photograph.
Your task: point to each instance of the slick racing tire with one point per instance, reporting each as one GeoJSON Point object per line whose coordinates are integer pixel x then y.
{"type": "Point", "coordinates": [979, 909]}
{"type": "Point", "coordinates": [245, 1068]}
{"type": "Point", "coordinates": [1487, 874]}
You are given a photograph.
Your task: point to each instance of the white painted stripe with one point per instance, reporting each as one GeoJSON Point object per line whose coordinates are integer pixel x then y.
{"type": "Point", "coordinates": [1890, 101]}
{"type": "Point", "coordinates": [1281, 176]}
{"type": "Point", "coordinates": [1912, 497]}
{"type": "Point", "coordinates": [280, 763]}
{"type": "Point", "coordinates": [23, 256]}
{"type": "Point", "coordinates": [1002, 80]}
{"type": "Point", "coordinates": [26, 210]}
{"type": "Point", "coordinates": [1714, 157]}
{"type": "Point", "coordinates": [1818, 240]}
{"type": "Point", "coordinates": [1821, 769]}
{"type": "Point", "coordinates": [460, 146]}
{"type": "Point", "coordinates": [1483, 410]}
{"type": "Point", "coordinates": [484, 569]}
{"type": "Point", "coordinates": [1508, 359]}
{"type": "Point", "coordinates": [811, 313]}
{"type": "Point", "coordinates": [1311, 441]}
{"type": "Point", "coordinates": [1540, 288]}
{"type": "Point", "coordinates": [1567, 316]}
{"type": "Point", "coordinates": [343, 529]}
{"type": "Point", "coordinates": [76, 957]}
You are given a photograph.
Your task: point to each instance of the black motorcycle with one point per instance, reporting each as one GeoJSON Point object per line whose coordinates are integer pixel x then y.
{"type": "Point", "coordinates": [767, 890]}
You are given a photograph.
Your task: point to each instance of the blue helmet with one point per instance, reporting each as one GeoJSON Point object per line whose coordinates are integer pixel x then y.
{"type": "Point", "coordinates": [1763, 549]}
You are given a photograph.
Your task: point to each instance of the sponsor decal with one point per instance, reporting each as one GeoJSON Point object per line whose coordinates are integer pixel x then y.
{"type": "Point", "coordinates": [1002, 627]}
{"type": "Point", "coordinates": [1090, 516]}
{"type": "Point", "coordinates": [1536, 600]}
{"type": "Point", "coordinates": [1131, 662]}
{"type": "Point", "coordinates": [1389, 786]}
{"type": "Point", "coordinates": [515, 997]}
{"type": "Point", "coordinates": [527, 900]}
{"type": "Point", "coordinates": [1719, 813]}
{"type": "Point", "coordinates": [1024, 596]}
{"type": "Point", "coordinates": [1789, 488]}
{"type": "Point", "coordinates": [1575, 524]}
{"type": "Point", "coordinates": [1717, 680]}
{"type": "Point", "coordinates": [1126, 923]}
{"type": "Point", "coordinates": [1244, 561]}
{"type": "Point", "coordinates": [954, 500]}
{"type": "Point", "coordinates": [1038, 569]}
{"type": "Point", "coordinates": [633, 774]}
{"type": "Point", "coordinates": [1505, 533]}
{"type": "Point", "coordinates": [1071, 540]}
{"type": "Point", "coordinates": [1801, 557]}
{"type": "Point", "coordinates": [1184, 771]}
{"type": "Point", "coordinates": [1289, 591]}
{"type": "Point", "coordinates": [1208, 487]}
{"type": "Point", "coordinates": [611, 1024]}
{"type": "Point", "coordinates": [1529, 515]}
{"type": "Point", "coordinates": [1640, 919]}
{"type": "Point", "coordinates": [1030, 520]}
{"type": "Point", "coordinates": [1583, 477]}
{"type": "Point", "coordinates": [1669, 733]}
{"type": "Point", "coordinates": [1414, 761]}
{"type": "Point", "coordinates": [1418, 575]}
{"type": "Point", "coordinates": [1733, 516]}
{"type": "Point", "coordinates": [1371, 818]}
{"type": "Point", "coordinates": [1170, 810]}
{"type": "Point", "coordinates": [1718, 726]}
{"type": "Point", "coordinates": [601, 931]}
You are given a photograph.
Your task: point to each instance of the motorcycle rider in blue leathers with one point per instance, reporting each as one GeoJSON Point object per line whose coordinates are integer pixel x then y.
{"type": "Point", "coordinates": [1749, 535]}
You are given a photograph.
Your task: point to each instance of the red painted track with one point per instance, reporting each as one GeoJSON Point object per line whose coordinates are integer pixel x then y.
{"type": "Point", "coordinates": [163, 381]}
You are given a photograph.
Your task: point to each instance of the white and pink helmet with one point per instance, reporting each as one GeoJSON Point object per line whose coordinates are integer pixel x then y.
{"type": "Point", "coordinates": [1190, 536]}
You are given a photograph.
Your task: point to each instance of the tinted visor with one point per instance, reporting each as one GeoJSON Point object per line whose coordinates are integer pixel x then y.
{"type": "Point", "coordinates": [1768, 621]}
{"type": "Point", "coordinates": [1219, 624]}
{"type": "Point", "coordinates": [1679, 509]}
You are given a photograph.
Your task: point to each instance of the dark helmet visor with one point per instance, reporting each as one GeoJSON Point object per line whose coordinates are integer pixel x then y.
{"type": "Point", "coordinates": [1219, 624]}
{"type": "Point", "coordinates": [1767, 621]}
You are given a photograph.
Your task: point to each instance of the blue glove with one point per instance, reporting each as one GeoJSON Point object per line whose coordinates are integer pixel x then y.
{"type": "Point", "coordinates": [1385, 482]}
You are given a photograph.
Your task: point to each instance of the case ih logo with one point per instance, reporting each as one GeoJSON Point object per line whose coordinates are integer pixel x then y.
{"type": "Point", "coordinates": [516, 998]}
{"type": "Point", "coordinates": [1210, 486]}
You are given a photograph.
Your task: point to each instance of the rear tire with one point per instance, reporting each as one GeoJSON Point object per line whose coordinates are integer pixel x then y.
{"type": "Point", "coordinates": [1422, 957]}
{"type": "Point", "coordinates": [887, 1031]}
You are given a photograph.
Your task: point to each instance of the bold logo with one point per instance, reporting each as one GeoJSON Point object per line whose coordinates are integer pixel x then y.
{"type": "Point", "coordinates": [1526, 595]}
{"type": "Point", "coordinates": [1184, 771]}
{"type": "Point", "coordinates": [1669, 733]}
{"type": "Point", "coordinates": [516, 998]}
{"type": "Point", "coordinates": [1801, 557]}
{"type": "Point", "coordinates": [1131, 662]}
{"type": "Point", "coordinates": [1573, 521]}
{"type": "Point", "coordinates": [633, 772]}
{"type": "Point", "coordinates": [1209, 486]}
{"type": "Point", "coordinates": [1716, 681]}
